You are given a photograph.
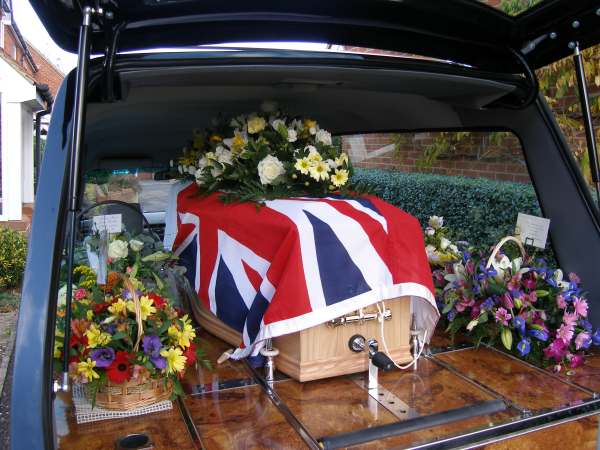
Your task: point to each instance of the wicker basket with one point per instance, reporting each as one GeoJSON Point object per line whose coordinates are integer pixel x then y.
{"type": "Point", "coordinates": [132, 394]}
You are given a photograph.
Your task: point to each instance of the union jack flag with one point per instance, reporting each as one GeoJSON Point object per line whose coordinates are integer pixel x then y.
{"type": "Point", "coordinates": [296, 263]}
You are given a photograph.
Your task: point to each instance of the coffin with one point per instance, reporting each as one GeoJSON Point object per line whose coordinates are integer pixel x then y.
{"type": "Point", "coordinates": [322, 351]}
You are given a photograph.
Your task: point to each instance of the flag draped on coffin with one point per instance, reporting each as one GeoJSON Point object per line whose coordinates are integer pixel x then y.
{"type": "Point", "coordinates": [296, 263]}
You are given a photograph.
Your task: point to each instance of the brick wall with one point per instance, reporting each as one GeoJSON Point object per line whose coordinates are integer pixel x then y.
{"type": "Point", "coordinates": [476, 156]}
{"type": "Point", "coordinates": [47, 73]}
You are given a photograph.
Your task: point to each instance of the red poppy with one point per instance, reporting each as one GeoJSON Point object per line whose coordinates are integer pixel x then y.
{"type": "Point", "coordinates": [159, 302]}
{"type": "Point", "coordinates": [190, 354]}
{"type": "Point", "coordinates": [119, 370]}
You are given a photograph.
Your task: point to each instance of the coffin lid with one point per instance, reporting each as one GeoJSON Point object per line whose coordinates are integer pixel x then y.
{"type": "Point", "coordinates": [463, 31]}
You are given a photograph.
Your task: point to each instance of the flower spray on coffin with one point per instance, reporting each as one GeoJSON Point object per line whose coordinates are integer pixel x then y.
{"type": "Point", "coordinates": [266, 155]}
{"type": "Point", "coordinates": [523, 305]}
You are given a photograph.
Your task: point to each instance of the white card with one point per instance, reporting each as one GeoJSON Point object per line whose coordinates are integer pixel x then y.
{"type": "Point", "coordinates": [111, 223]}
{"type": "Point", "coordinates": [532, 230]}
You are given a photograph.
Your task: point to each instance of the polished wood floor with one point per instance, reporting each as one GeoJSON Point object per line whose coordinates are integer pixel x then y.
{"type": "Point", "coordinates": [228, 410]}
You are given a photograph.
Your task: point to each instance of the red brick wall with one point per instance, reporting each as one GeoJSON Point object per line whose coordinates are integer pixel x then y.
{"type": "Point", "coordinates": [47, 73]}
{"type": "Point", "coordinates": [476, 156]}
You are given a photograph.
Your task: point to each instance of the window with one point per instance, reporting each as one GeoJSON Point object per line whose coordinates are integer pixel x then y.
{"type": "Point", "coordinates": [478, 181]}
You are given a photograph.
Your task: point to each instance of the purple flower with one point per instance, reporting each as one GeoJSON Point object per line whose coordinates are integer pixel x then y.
{"type": "Point", "coordinates": [557, 350]}
{"type": "Point", "coordinates": [519, 324]}
{"type": "Point", "coordinates": [151, 345]}
{"type": "Point", "coordinates": [574, 278]}
{"type": "Point", "coordinates": [587, 325]}
{"type": "Point", "coordinates": [103, 356]}
{"type": "Point", "coordinates": [596, 337]}
{"type": "Point", "coordinates": [488, 303]}
{"type": "Point", "coordinates": [159, 362]}
{"type": "Point", "coordinates": [576, 360]}
{"type": "Point", "coordinates": [538, 334]}
{"type": "Point", "coordinates": [565, 333]}
{"type": "Point", "coordinates": [524, 347]}
{"type": "Point", "coordinates": [452, 314]}
{"type": "Point", "coordinates": [583, 340]}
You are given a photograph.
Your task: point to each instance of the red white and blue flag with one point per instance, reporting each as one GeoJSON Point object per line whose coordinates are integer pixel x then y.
{"type": "Point", "coordinates": [296, 263]}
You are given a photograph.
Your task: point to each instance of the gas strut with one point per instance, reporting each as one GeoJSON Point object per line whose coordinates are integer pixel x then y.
{"type": "Point", "coordinates": [77, 132]}
{"type": "Point", "coordinates": [587, 117]}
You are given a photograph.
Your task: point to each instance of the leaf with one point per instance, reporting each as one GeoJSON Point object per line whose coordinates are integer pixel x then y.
{"type": "Point", "coordinates": [118, 335]}
{"type": "Point", "coordinates": [540, 293]}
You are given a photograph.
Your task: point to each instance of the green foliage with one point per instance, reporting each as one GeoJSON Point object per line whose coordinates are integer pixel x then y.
{"type": "Point", "coordinates": [13, 252]}
{"type": "Point", "coordinates": [516, 7]}
{"type": "Point", "coordinates": [478, 210]}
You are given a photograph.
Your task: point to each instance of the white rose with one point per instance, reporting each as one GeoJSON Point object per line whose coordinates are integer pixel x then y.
{"type": "Point", "coordinates": [136, 245]}
{"type": "Point", "coordinates": [429, 231]}
{"type": "Point", "coordinates": [256, 124]}
{"type": "Point", "coordinates": [117, 249]}
{"type": "Point", "coordinates": [444, 243]}
{"type": "Point", "coordinates": [436, 222]}
{"type": "Point", "coordinates": [312, 130]}
{"type": "Point", "coordinates": [324, 137]}
{"type": "Point", "coordinates": [268, 106]}
{"type": "Point", "coordinates": [292, 135]}
{"type": "Point", "coordinates": [270, 169]}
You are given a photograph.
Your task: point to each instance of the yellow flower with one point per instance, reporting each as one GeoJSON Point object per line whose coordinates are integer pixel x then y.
{"type": "Point", "coordinates": [175, 359]}
{"type": "Point", "coordinates": [319, 171]}
{"type": "Point", "coordinates": [342, 159]}
{"type": "Point", "coordinates": [256, 124]}
{"type": "Point", "coordinates": [58, 345]}
{"type": "Point", "coordinates": [89, 314]}
{"type": "Point", "coordinates": [314, 157]}
{"type": "Point", "coordinates": [302, 165]}
{"type": "Point", "coordinates": [146, 307]}
{"type": "Point", "coordinates": [216, 138]}
{"type": "Point", "coordinates": [86, 368]}
{"type": "Point", "coordinates": [118, 308]}
{"type": "Point", "coordinates": [97, 337]}
{"type": "Point", "coordinates": [238, 143]}
{"type": "Point", "coordinates": [340, 177]}
{"type": "Point", "coordinates": [310, 125]}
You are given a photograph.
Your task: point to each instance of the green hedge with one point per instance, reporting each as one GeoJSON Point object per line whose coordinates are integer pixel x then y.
{"type": "Point", "coordinates": [13, 252]}
{"type": "Point", "coordinates": [477, 210]}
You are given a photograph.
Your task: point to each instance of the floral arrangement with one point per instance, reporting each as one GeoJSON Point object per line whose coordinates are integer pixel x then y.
{"type": "Point", "coordinates": [440, 250]}
{"type": "Point", "coordinates": [265, 155]}
{"type": "Point", "coordinates": [126, 328]}
{"type": "Point", "coordinates": [532, 309]}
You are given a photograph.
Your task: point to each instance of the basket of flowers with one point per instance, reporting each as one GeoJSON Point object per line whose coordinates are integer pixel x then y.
{"type": "Point", "coordinates": [129, 345]}
{"type": "Point", "coordinates": [526, 306]}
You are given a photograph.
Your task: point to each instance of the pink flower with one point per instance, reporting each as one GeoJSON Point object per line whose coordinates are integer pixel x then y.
{"type": "Point", "coordinates": [475, 312]}
{"type": "Point", "coordinates": [565, 333]}
{"type": "Point", "coordinates": [80, 294]}
{"type": "Point", "coordinates": [556, 350]}
{"type": "Point", "coordinates": [570, 319]}
{"type": "Point", "coordinates": [576, 360]}
{"type": "Point", "coordinates": [561, 302]}
{"type": "Point", "coordinates": [583, 340]}
{"type": "Point", "coordinates": [514, 284]}
{"type": "Point", "coordinates": [581, 306]}
{"type": "Point", "coordinates": [503, 316]}
{"type": "Point", "coordinates": [529, 283]}
{"type": "Point", "coordinates": [464, 303]}
{"type": "Point", "coordinates": [129, 269]}
{"type": "Point", "coordinates": [506, 300]}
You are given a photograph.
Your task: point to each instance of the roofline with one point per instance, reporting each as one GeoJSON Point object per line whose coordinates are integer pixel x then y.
{"type": "Point", "coordinates": [22, 41]}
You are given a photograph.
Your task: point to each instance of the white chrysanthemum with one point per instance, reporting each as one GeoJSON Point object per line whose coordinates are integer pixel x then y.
{"type": "Point", "coordinates": [302, 165]}
{"type": "Point", "coordinates": [270, 170]}
{"type": "Point", "coordinates": [292, 135]}
{"type": "Point", "coordinates": [324, 137]}
{"type": "Point", "coordinates": [117, 249]}
{"type": "Point", "coordinates": [339, 178]}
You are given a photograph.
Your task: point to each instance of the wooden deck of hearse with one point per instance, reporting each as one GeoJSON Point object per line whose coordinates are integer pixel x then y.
{"type": "Point", "coordinates": [226, 409]}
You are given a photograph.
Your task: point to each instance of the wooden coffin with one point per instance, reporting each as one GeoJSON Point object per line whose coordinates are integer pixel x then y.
{"type": "Point", "coordinates": [322, 351]}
